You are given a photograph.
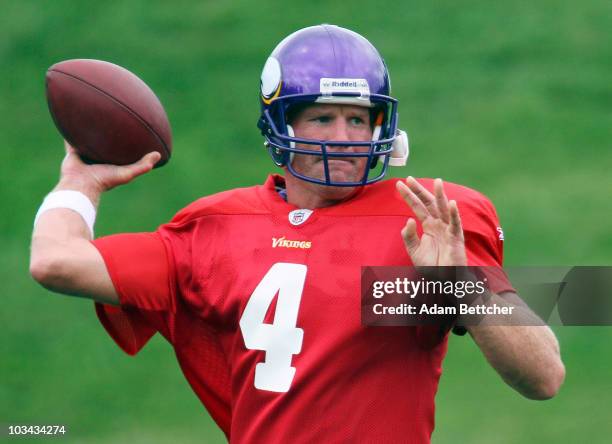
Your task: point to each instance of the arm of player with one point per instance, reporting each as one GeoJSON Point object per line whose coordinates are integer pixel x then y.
{"type": "Point", "coordinates": [526, 357]}
{"type": "Point", "coordinates": [62, 257]}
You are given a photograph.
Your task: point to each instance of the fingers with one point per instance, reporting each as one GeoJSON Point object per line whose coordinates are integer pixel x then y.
{"type": "Point", "coordinates": [441, 200]}
{"type": "Point", "coordinates": [422, 202]}
{"type": "Point", "coordinates": [148, 161]}
{"type": "Point", "coordinates": [69, 148]}
{"type": "Point", "coordinates": [72, 159]}
{"type": "Point", "coordinates": [145, 164]}
{"type": "Point", "coordinates": [425, 204]}
{"type": "Point", "coordinates": [70, 151]}
{"type": "Point", "coordinates": [424, 195]}
{"type": "Point", "coordinates": [412, 200]}
{"type": "Point", "coordinates": [455, 220]}
{"type": "Point", "coordinates": [410, 236]}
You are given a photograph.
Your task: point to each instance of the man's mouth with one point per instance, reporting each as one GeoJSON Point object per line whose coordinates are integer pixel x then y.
{"type": "Point", "coordinates": [338, 161]}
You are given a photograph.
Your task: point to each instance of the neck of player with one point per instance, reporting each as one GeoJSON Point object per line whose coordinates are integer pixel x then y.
{"type": "Point", "coordinates": [308, 195]}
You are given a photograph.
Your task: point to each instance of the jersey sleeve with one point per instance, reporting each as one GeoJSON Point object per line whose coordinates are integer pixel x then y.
{"type": "Point", "coordinates": [484, 244]}
{"type": "Point", "coordinates": [153, 272]}
{"type": "Point", "coordinates": [142, 270]}
{"type": "Point", "coordinates": [484, 241]}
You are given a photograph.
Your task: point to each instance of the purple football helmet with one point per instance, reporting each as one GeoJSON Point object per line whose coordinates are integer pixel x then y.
{"type": "Point", "coordinates": [329, 65]}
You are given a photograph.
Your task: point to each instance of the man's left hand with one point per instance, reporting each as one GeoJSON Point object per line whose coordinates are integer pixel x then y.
{"type": "Point", "coordinates": [442, 242]}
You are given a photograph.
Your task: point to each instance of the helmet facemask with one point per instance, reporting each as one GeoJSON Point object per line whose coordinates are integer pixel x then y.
{"type": "Point", "coordinates": [282, 142]}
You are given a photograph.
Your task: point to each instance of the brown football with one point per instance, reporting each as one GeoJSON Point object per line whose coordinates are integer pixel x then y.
{"type": "Point", "coordinates": [107, 113]}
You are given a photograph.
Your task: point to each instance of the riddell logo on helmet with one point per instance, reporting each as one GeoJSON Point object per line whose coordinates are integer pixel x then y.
{"type": "Point", "coordinates": [336, 84]}
{"type": "Point", "coordinates": [330, 86]}
{"type": "Point", "coordinates": [281, 242]}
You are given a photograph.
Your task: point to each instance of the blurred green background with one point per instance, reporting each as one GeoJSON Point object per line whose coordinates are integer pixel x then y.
{"type": "Point", "coordinates": [511, 98]}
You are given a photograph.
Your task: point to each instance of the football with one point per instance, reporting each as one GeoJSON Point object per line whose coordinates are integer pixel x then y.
{"type": "Point", "coordinates": [106, 113]}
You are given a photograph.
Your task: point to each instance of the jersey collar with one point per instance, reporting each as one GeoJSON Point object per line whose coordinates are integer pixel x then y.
{"type": "Point", "coordinates": [275, 202]}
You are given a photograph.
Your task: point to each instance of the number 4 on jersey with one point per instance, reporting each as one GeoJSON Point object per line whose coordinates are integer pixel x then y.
{"type": "Point", "coordinates": [281, 339]}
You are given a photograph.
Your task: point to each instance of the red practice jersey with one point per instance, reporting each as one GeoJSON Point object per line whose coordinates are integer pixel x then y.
{"type": "Point", "coordinates": [262, 306]}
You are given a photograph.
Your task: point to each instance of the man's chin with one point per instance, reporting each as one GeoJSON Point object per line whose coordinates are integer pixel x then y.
{"type": "Point", "coordinates": [335, 193]}
{"type": "Point", "coordinates": [340, 192]}
{"type": "Point", "coordinates": [331, 194]}
{"type": "Point", "coordinates": [340, 171]}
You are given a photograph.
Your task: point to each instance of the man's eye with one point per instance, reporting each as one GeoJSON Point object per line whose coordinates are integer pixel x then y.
{"type": "Point", "coordinates": [357, 121]}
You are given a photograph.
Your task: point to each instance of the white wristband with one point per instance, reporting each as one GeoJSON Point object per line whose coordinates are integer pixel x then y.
{"type": "Point", "coordinates": [72, 200]}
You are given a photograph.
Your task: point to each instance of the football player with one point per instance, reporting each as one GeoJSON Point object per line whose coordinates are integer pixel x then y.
{"type": "Point", "coordinates": [257, 289]}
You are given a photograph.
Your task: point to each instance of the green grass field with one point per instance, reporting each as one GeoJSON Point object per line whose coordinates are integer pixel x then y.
{"type": "Point", "coordinates": [513, 99]}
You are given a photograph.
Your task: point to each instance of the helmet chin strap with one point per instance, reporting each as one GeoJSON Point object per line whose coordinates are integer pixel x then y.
{"type": "Point", "coordinates": [291, 133]}
{"type": "Point", "coordinates": [377, 127]}
{"type": "Point", "coordinates": [376, 133]}
{"type": "Point", "coordinates": [401, 149]}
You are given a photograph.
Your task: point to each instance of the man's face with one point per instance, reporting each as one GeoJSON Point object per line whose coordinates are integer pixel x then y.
{"type": "Point", "coordinates": [338, 123]}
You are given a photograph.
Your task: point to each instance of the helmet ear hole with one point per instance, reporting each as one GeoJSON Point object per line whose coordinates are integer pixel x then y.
{"type": "Point", "coordinates": [401, 149]}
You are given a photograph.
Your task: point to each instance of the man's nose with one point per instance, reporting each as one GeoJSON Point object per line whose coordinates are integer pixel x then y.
{"type": "Point", "coordinates": [341, 132]}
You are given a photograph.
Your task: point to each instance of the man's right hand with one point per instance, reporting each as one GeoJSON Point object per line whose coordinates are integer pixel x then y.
{"type": "Point", "coordinates": [63, 259]}
{"type": "Point", "coordinates": [93, 180]}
